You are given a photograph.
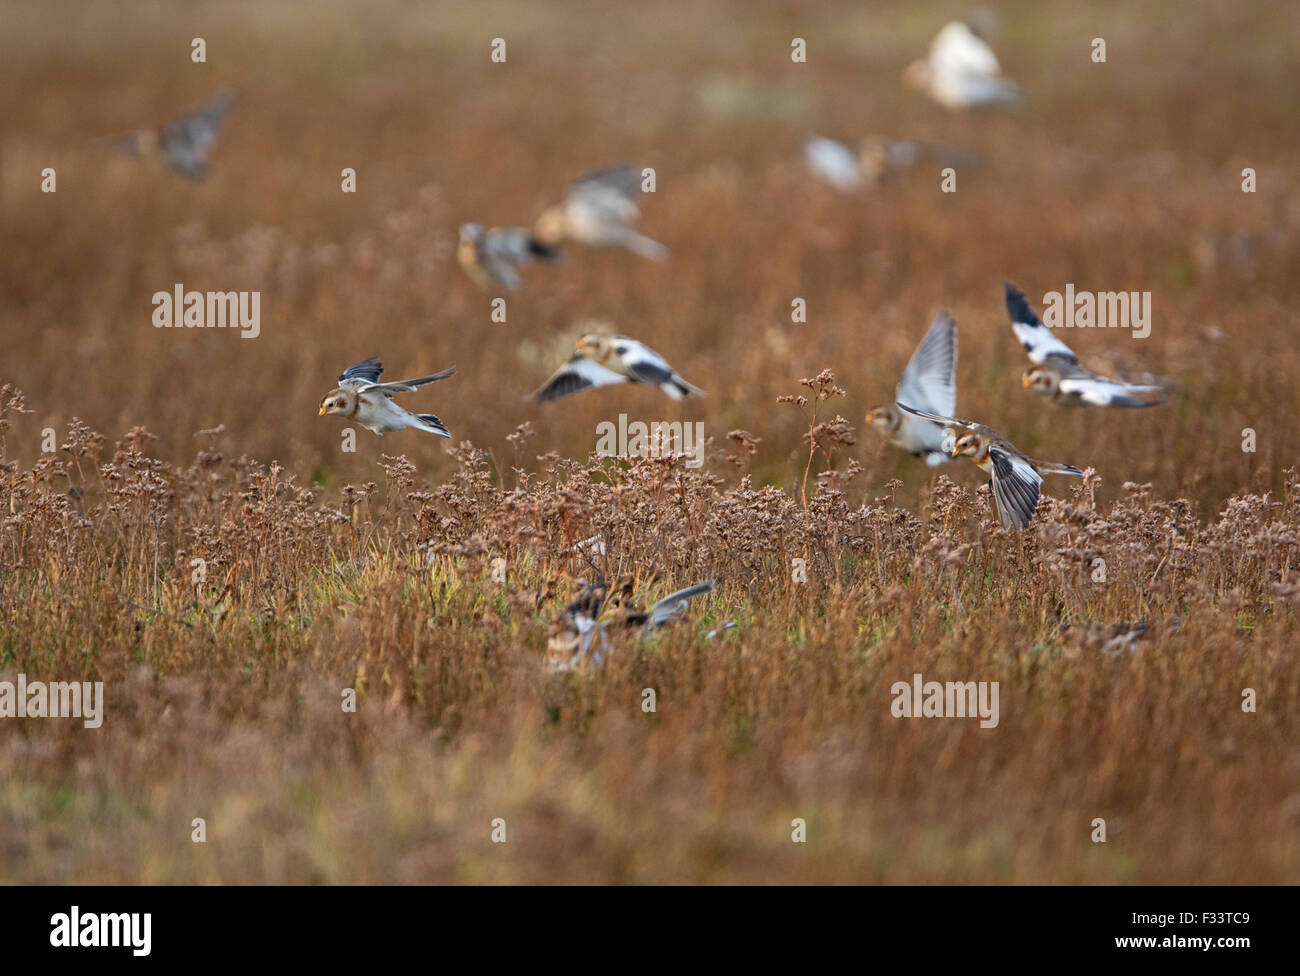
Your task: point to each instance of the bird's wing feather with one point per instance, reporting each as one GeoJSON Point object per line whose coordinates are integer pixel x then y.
{"type": "Point", "coordinates": [665, 609]}
{"type": "Point", "coordinates": [930, 380]}
{"type": "Point", "coordinates": [1015, 486]}
{"type": "Point", "coordinates": [1039, 342]}
{"type": "Point", "coordinates": [939, 418]}
{"type": "Point", "coordinates": [406, 386]}
{"type": "Point", "coordinates": [833, 161]}
{"type": "Point", "coordinates": [579, 373]}
{"type": "Point", "coordinates": [367, 371]}
{"type": "Point", "coordinates": [620, 178]}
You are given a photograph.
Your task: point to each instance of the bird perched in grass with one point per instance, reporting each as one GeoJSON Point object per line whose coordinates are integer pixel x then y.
{"type": "Point", "coordinates": [1056, 373]}
{"type": "Point", "coordinates": [578, 633]}
{"type": "Point", "coordinates": [962, 71]}
{"type": "Point", "coordinates": [929, 383]}
{"type": "Point", "coordinates": [876, 159]}
{"type": "Point", "coordinates": [185, 144]}
{"type": "Point", "coordinates": [601, 360]}
{"type": "Point", "coordinates": [599, 211]}
{"type": "Point", "coordinates": [1015, 478]}
{"type": "Point", "coordinates": [361, 397]}
{"type": "Point", "coordinates": [1108, 639]}
{"type": "Point", "coordinates": [489, 257]}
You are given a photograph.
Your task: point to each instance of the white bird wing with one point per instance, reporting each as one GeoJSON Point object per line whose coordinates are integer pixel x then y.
{"type": "Point", "coordinates": [1016, 486]}
{"type": "Point", "coordinates": [1104, 392]}
{"type": "Point", "coordinates": [671, 605]}
{"type": "Point", "coordinates": [579, 373]}
{"type": "Point", "coordinates": [834, 162]}
{"type": "Point", "coordinates": [957, 50]}
{"type": "Point", "coordinates": [930, 380]}
{"type": "Point", "coordinates": [1039, 342]}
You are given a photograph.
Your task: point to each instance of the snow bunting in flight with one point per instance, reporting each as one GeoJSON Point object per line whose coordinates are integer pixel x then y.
{"type": "Point", "coordinates": [962, 71]}
{"type": "Point", "coordinates": [577, 629]}
{"type": "Point", "coordinates": [603, 359]}
{"type": "Point", "coordinates": [184, 144]}
{"type": "Point", "coordinates": [361, 397]}
{"type": "Point", "coordinates": [876, 159]}
{"type": "Point", "coordinates": [1056, 373]}
{"type": "Point", "coordinates": [599, 211]}
{"type": "Point", "coordinates": [1016, 479]}
{"type": "Point", "coordinates": [929, 383]}
{"type": "Point", "coordinates": [489, 256]}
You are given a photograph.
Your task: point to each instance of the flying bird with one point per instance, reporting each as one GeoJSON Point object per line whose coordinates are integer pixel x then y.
{"type": "Point", "coordinates": [185, 144]}
{"type": "Point", "coordinates": [962, 71]}
{"type": "Point", "coordinates": [1056, 373]}
{"type": "Point", "coordinates": [875, 159]}
{"type": "Point", "coordinates": [929, 383]}
{"type": "Point", "coordinates": [601, 360]}
{"type": "Point", "coordinates": [599, 211]}
{"type": "Point", "coordinates": [1016, 479]}
{"type": "Point", "coordinates": [361, 397]}
{"type": "Point", "coordinates": [489, 257]}
{"type": "Point", "coordinates": [578, 629]}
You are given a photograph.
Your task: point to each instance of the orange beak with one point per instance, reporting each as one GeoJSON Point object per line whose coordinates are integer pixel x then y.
{"type": "Point", "coordinates": [322, 411]}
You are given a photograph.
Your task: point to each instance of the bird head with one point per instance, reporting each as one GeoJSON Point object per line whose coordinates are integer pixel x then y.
{"type": "Point", "coordinates": [549, 228]}
{"type": "Point", "coordinates": [339, 401]}
{"type": "Point", "coordinates": [1042, 380]}
{"type": "Point", "coordinates": [471, 233]}
{"type": "Point", "coordinates": [596, 347]}
{"type": "Point", "coordinates": [970, 445]}
{"type": "Point", "coordinates": [885, 419]}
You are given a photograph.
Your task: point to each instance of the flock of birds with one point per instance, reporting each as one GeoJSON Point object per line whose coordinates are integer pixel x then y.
{"type": "Point", "coordinates": [600, 210]}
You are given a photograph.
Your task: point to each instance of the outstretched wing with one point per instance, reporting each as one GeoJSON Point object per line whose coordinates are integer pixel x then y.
{"type": "Point", "coordinates": [367, 371]}
{"type": "Point", "coordinates": [1015, 486]}
{"type": "Point", "coordinates": [189, 140]}
{"type": "Point", "coordinates": [1038, 340]}
{"type": "Point", "coordinates": [578, 374]}
{"type": "Point", "coordinates": [930, 380]}
{"type": "Point", "coordinates": [1105, 392]}
{"type": "Point", "coordinates": [671, 605]}
{"type": "Point", "coordinates": [834, 162]}
{"type": "Point", "coordinates": [406, 386]}
{"type": "Point", "coordinates": [939, 418]}
{"type": "Point", "coordinates": [621, 178]}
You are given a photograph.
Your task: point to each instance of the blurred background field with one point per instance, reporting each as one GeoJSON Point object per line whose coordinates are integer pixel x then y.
{"type": "Point", "coordinates": [1117, 176]}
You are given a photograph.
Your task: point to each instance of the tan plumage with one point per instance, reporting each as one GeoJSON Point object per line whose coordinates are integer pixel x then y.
{"type": "Point", "coordinates": [599, 211]}
{"type": "Point", "coordinates": [1016, 479]}
{"type": "Point", "coordinates": [362, 398]}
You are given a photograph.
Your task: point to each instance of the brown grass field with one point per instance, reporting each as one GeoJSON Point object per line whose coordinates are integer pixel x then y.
{"type": "Point", "coordinates": [372, 570]}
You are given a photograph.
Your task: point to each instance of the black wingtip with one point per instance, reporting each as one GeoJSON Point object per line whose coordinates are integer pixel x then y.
{"type": "Point", "coordinates": [1017, 307]}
